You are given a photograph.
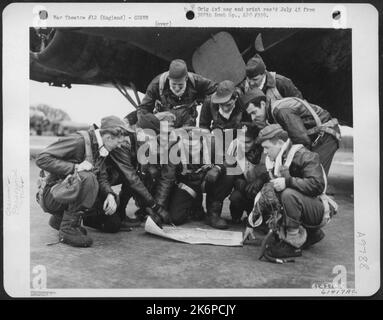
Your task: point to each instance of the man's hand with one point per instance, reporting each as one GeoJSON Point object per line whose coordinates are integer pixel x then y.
{"type": "Point", "coordinates": [110, 205]}
{"type": "Point", "coordinates": [249, 232]}
{"type": "Point", "coordinates": [279, 184]}
{"type": "Point", "coordinates": [213, 174]}
{"type": "Point", "coordinates": [84, 166]}
{"type": "Point", "coordinates": [166, 116]}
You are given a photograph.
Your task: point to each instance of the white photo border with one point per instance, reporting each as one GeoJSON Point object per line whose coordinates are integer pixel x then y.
{"type": "Point", "coordinates": [19, 17]}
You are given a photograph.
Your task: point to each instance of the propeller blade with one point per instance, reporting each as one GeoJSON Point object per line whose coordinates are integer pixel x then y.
{"type": "Point", "coordinates": [258, 43]}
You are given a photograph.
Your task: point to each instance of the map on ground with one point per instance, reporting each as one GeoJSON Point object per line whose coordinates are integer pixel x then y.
{"type": "Point", "coordinates": [195, 235]}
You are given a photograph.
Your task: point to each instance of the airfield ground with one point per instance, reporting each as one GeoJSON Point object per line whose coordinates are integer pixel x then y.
{"type": "Point", "coordinates": [136, 259]}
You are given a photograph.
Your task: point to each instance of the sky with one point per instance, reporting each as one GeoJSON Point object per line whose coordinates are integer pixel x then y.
{"type": "Point", "coordinates": [83, 103]}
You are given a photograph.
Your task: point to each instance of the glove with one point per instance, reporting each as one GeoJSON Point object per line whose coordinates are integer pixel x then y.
{"type": "Point", "coordinates": [213, 174]}
{"type": "Point", "coordinates": [253, 188]}
{"type": "Point", "coordinates": [158, 214]}
{"type": "Point", "coordinates": [152, 211]}
{"type": "Point", "coordinates": [164, 214]}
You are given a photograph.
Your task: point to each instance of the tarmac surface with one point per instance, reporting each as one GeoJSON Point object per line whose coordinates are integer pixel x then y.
{"type": "Point", "coordinates": [137, 259]}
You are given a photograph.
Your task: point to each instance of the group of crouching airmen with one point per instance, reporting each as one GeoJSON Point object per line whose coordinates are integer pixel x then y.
{"type": "Point", "coordinates": [280, 188]}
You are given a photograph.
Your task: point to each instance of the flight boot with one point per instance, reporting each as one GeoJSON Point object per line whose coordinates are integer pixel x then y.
{"type": "Point", "coordinates": [213, 216]}
{"type": "Point", "coordinates": [70, 230]}
{"type": "Point", "coordinates": [236, 213]}
{"type": "Point", "coordinates": [313, 237]}
{"type": "Point", "coordinates": [55, 222]}
{"type": "Point", "coordinates": [282, 250]}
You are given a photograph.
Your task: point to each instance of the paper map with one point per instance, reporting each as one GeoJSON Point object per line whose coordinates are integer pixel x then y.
{"type": "Point", "coordinates": [195, 235]}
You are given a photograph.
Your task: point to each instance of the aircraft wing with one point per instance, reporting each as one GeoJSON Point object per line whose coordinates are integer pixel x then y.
{"type": "Point", "coordinates": [99, 55]}
{"type": "Point", "coordinates": [318, 61]}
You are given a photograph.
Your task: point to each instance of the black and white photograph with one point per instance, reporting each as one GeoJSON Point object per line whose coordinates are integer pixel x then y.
{"type": "Point", "coordinates": [192, 160]}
